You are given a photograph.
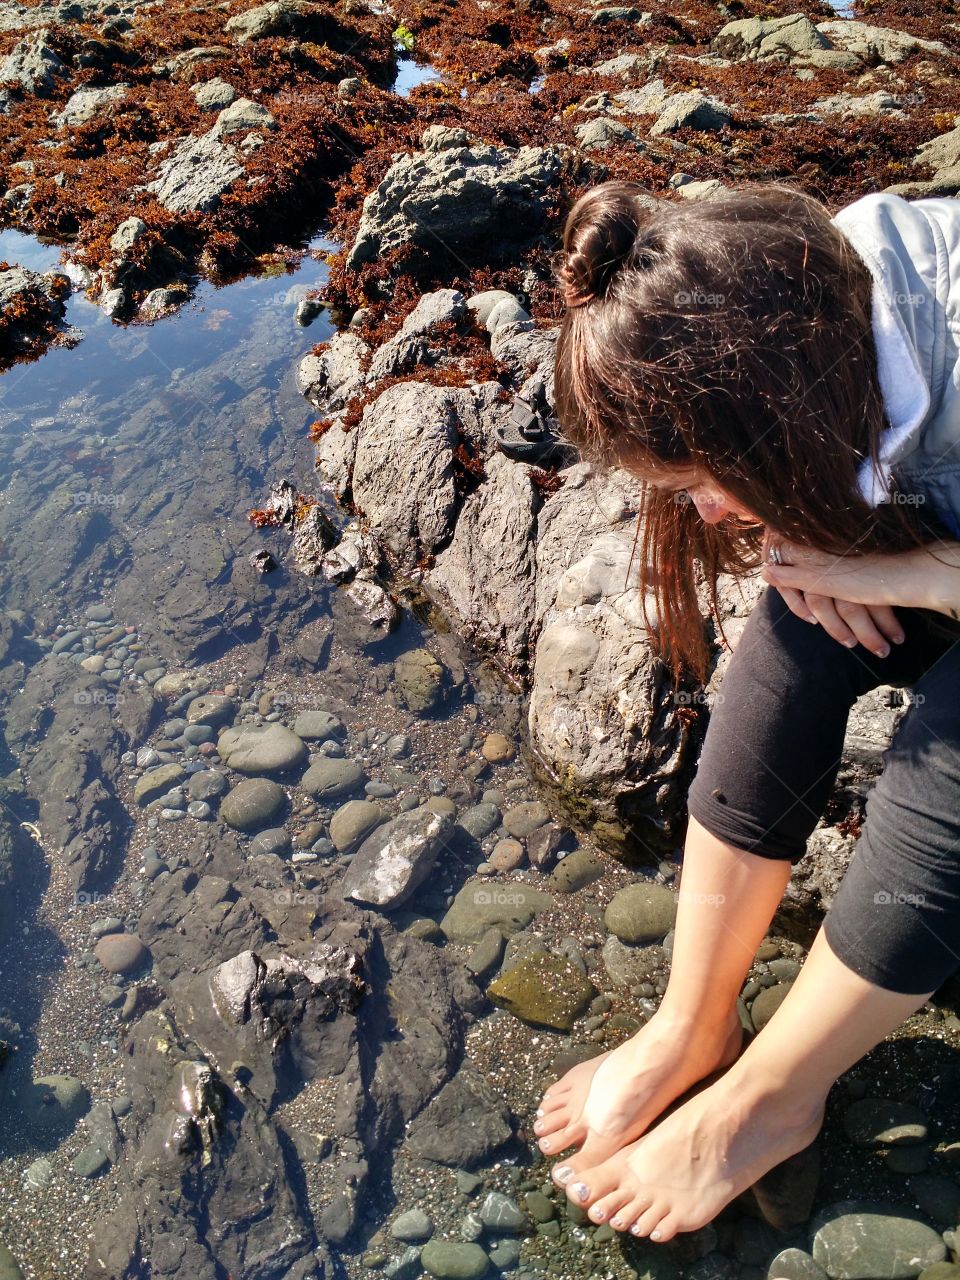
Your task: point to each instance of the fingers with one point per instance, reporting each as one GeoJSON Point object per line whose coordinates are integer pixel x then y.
{"type": "Point", "coordinates": [848, 623]}
{"type": "Point", "coordinates": [796, 604]}
{"type": "Point", "coordinates": [887, 621]}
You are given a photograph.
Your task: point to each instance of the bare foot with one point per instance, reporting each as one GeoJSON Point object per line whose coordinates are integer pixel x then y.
{"type": "Point", "coordinates": [601, 1104]}
{"type": "Point", "coordinates": [680, 1175]}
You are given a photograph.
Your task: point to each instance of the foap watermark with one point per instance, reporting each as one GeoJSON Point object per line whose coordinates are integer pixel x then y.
{"type": "Point", "coordinates": [905, 698]}
{"type": "Point", "coordinates": [898, 498]}
{"type": "Point", "coordinates": [502, 897]}
{"type": "Point", "coordinates": [696, 698]}
{"type": "Point", "coordinates": [97, 498]}
{"type": "Point", "coordinates": [297, 898]}
{"type": "Point", "coordinates": [98, 698]}
{"type": "Point", "coordinates": [86, 898]}
{"type": "Point", "coordinates": [702, 899]}
{"type": "Point", "coordinates": [884, 898]}
{"type": "Point", "coordinates": [496, 699]}
{"type": "Point", "coordinates": [698, 298]}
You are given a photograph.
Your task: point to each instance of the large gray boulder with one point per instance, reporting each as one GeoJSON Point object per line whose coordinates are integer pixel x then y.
{"type": "Point", "coordinates": [412, 346]}
{"type": "Point", "coordinates": [461, 197]}
{"type": "Point", "coordinates": [196, 174]}
{"type": "Point", "coordinates": [487, 571]}
{"type": "Point", "coordinates": [403, 476]}
{"type": "Point", "coordinates": [604, 725]}
{"type": "Point", "coordinates": [32, 65]}
{"type": "Point", "coordinates": [878, 44]}
{"type": "Point", "coordinates": [769, 37]}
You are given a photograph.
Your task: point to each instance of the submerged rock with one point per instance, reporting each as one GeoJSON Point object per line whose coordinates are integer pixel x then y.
{"type": "Point", "coordinates": [860, 1241]}
{"type": "Point", "coordinates": [267, 748]}
{"type": "Point", "coordinates": [544, 990]}
{"type": "Point", "coordinates": [395, 860]}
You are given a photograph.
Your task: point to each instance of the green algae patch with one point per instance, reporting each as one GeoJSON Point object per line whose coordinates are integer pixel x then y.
{"type": "Point", "coordinates": [543, 990]}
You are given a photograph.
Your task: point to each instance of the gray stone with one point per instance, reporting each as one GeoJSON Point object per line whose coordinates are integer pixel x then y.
{"type": "Point", "coordinates": [769, 37]}
{"type": "Point", "coordinates": [207, 784]}
{"type": "Point", "coordinates": [121, 953]}
{"type": "Point", "coordinates": [42, 297]}
{"type": "Point", "coordinates": [412, 1226]}
{"type": "Point", "coordinates": [507, 312]}
{"type": "Point", "coordinates": [462, 1125]}
{"type": "Point", "coordinates": [242, 116]}
{"type": "Point", "coordinates": [9, 1266]}
{"type": "Point", "coordinates": [32, 64]}
{"type": "Point", "coordinates": [576, 871]}
{"type": "Point", "coordinates": [157, 782]}
{"type": "Point", "coordinates": [90, 1162]}
{"type": "Point", "coordinates": [274, 841]}
{"type": "Point", "coordinates": [51, 1105]}
{"type": "Point", "coordinates": [329, 777]}
{"type": "Point", "coordinates": [602, 133]}
{"type": "Point", "coordinates": [882, 1122]}
{"type": "Point", "coordinates": [520, 820]}
{"type": "Point", "coordinates": [482, 304]}
{"type": "Point", "coordinates": [878, 44]}
{"type": "Point", "coordinates": [392, 862]}
{"type": "Point", "coordinates": [451, 1260]}
{"type": "Point", "coordinates": [85, 105]}
{"type": "Point", "coordinates": [641, 913]}
{"type": "Point", "coordinates": [353, 822]}
{"type": "Point", "coordinates": [331, 378]}
{"type": "Point", "coordinates": [419, 678]}
{"type": "Point", "coordinates": [693, 110]}
{"type": "Point", "coordinates": [478, 907]}
{"type": "Point", "coordinates": [252, 803]}
{"type": "Point", "coordinates": [267, 748]}
{"type": "Point", "coordinates": [463, 196]}
{"type": "Point", "coordinates": [196, 174]}
{"type": "Point", "coordinates": [794, 1264]}
{"type": "Point", "coordinates": [278, 18]}
{"type": "Point", "coordinates": [630, 966]}
{"type": "Point", "coordinates": [214, 709]}
{"type": "Point", "coordinates": [411, 345]}
{"type": "Point", "coordinates": [213, 95]}
{"type": "Point", "coordinates": [501, 1215]}
{"type": "Point", "coordinates": [121, 242]}
{"type": "Point", "coordinates": [861, 1241]}
{"type": "Point", "coordinates": [318, 725]}
{"type": "Point", "coordinates": [480, 820]}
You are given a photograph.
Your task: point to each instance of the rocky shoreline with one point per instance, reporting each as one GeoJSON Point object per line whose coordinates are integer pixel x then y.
{"type": "Point", "coordinates": [305, 886]}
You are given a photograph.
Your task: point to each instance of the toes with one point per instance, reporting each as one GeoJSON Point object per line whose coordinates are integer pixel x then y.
{"type": "Point", "coordinates": [649, 1219]}
{"type": "Point", "coordinates": [665, 1229]}
{"type": "Point", "coordinates": [554, 1141]}
{"type": "Point", "coordinates": [607, 1206]}
{"type": "Point", "coordinates": [625, 1217]}
{"type": "Point", "coordinates": [591, 1184]}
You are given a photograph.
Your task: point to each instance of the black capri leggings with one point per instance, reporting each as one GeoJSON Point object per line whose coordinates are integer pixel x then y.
{"type": "Point", "coordinates": [770, 759]}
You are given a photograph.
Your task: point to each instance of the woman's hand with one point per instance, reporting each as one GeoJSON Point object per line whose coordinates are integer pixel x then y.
{"type": "Point", "coordinates": [851, 596]}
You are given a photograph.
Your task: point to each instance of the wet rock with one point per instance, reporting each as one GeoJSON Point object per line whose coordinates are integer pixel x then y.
{"type": "Point", "coordinates": [544, 991]}
{"type": "Point", "coordinates": [419, 678]}
{"type": "Point", "coordinates": [278, 18]}
{"type": "Point", "coordinates": [468, 196]}
{"type": "Point", "coordinates": [641, 913]}
{"type": "Point", "coordinates": [451, 1260]}
{"type": "Point", "coordinates": [32, 307]}
{"type": "Point", "coordinates": [576, 871]}
{"type": "Point", "coordinates": [213, 709]}
{"type": "Point", "coordinates": [121, 953]}
{"type": "Point", "coordinates": [630, 966]}
{"type": "Point", "coordinates": [207, 784]}
{"type": "Point", "coordinates": [938, 1197]}
{"type": "Point", "coordinates": [794, 1264]}
{"type": "Point", "coordinates": [252, 804]}
{"type": "Point", "coordinates": [463, 1125]}
{"type": "Point", "coordinates": [353, 822]}
{"type": "Point", "coordinates": [51, 1106]}
{"type": "Point", "coordinates": [18, 855]}
{"type": "Point", "coordinates": [403, 477]}
{"type": "Point", "coordinates": [521, 820]}
{"type": "Point", "coordinates": [507, 855]}
{"type": "Point", "coordinates": [330, 379]}
{"type": "Point", "coordinates": [487, 954]}
{"type": "Point", "coordinates": [413, 1225]}
{"type": "Point", "coordinates": [392, 862]}
{"type": "Point", "coordinates": [411, 345]}
{"type": "Point", "coordinates": [478, 907]}
{"type": "Point", "coordinates": [861, 1241]}
{"type": "Point", "coordinates": [195, 175]}
{"type": "Point", "coordinates": [882, 1122]}
{"type": "Point", "coordinates": [497, 748]}
{"type": "Point", "coordinates": [766, 1004]}
{"type": "Point", "coordinates": [9, 1267]}
{"type": "Point", "coordinates": [316, 726]}
{"type": "Point", "coordinates": [329, 777]}
{"type": "Point", "coordinates": [266, 748]}
{"type": "Point", "coordinates": [501, 1215]}
{"type": "Point", "coordinates": [487, 572]}
{"type": "Point", "coordinates": [275, 842]}
{"type": "Point", "coordinates": [769, 37]}
{"type": "Point", "coordinates": [480, 820]}
{"type": "Point", "coordinates": [32, 64]}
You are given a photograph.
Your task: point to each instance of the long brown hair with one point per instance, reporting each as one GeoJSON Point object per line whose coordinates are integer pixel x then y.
{"type": "Point", "coordinates": [732, 335]}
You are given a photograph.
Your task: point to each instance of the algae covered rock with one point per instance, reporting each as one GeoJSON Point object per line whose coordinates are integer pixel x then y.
{"type": "Point", "coordinates": [544, 990]}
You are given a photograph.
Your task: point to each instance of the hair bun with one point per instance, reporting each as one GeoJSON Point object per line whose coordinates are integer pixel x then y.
{"type": "Point", "coordinates": [602, 233]}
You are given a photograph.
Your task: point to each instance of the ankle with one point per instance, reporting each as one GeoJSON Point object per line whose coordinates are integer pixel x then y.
{"type": "Point", "coordinates": [759, 1086]}
{"type": "Point", "coordinates": [685, 1024]}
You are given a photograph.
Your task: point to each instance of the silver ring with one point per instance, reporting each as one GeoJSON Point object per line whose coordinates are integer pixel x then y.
{"type": "Point", "coordinates": [774, 555]}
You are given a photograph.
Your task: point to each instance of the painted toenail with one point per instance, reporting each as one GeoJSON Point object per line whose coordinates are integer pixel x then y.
{"type": "Point", "coordinates": [537, 1126]}
{"type": "Point", "coordinates": [544, 1144]}
{"type": "Point", "coordinates": [635, 1229]}
{"type": "Point", "coordinates": [598, 1215]}
{"type": "Point", "coordinates": [654, 1235]}
{"type": "Point", "coordinates": [615, 1222]}
{"type": "Point", "coordinates": [581, 1190]}
{"type": "Point", "coordinates": [563, 1173]}
{"type": "Point", "coordinates": [539, 1111]}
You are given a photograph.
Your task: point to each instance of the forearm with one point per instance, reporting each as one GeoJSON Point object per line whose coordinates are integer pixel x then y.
{"type": "Point", "coordinates": [943, 570]}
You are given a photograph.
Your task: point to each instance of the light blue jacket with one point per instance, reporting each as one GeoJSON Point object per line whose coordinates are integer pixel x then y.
{"type": "Point", "coordinates": [912, 249]}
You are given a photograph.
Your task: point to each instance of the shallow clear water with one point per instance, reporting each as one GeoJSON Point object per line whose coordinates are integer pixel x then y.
{"type": "Point", "coordinates": [410, 73]}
